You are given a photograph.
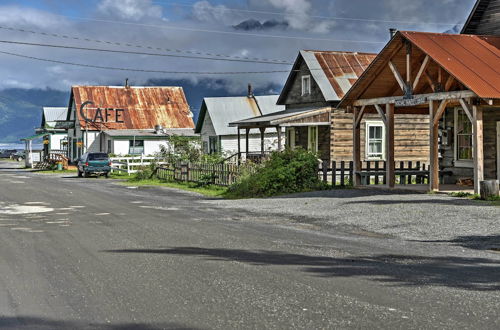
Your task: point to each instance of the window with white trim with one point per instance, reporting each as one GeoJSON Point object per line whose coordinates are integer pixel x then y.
{"type": "Point", "coordinates": [306, 85]}
{"type": "Point", "coordinates": [463, 136]}
{"type": "Point", "coordinates": [375, 147]}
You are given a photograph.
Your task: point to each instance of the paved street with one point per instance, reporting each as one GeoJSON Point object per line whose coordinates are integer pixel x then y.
{"type": "Point", "coordinates": [92, 254]}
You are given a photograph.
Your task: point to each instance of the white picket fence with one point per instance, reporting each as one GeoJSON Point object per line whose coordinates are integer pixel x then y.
{"type": "Point", "coordinates": [131, 165]}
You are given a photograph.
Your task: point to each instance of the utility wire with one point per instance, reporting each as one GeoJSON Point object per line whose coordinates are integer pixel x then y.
{"type": "Point", "coordinates": [115, 43]}
{"type": "Point", "coordinates": [136, 53]}
{"type": "Point", "coordinates": [261, 35]}
{"type": "Point", "coordinates": [326, 18]}
{"type": "Point", "coordinates": [169, 72]}
{"type": "Point", "coordinates": [140, 70]}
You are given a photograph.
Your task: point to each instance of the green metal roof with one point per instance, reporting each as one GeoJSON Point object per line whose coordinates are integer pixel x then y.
{"type": "Point", "coordinates": [33, 137]}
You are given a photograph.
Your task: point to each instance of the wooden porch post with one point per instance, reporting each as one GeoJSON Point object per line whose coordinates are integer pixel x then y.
{"type": "Point", "coordinates": [356, 148]}
{"type": "Point", "coordinates": [262, 131]}
{"type": "Point", "coordinates": [278, 128]}
{"type": "Point", "coordinates": [247, 143]}
{"type": "Point", "coordinates": [477, 146]}
{"type": "Point", "coordinates": [433, 143]}
{"type": "Point", "coordinates": [389, 137]}
{"type": "Point", "coordinates": [239, 145]}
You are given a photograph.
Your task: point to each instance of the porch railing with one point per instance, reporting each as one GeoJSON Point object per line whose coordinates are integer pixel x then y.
{"type": "Point", "coordinates": [341, 173]}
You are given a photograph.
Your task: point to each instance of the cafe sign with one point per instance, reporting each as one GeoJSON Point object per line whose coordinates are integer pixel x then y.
{"type": "Point", "coordinates": [101, 115]}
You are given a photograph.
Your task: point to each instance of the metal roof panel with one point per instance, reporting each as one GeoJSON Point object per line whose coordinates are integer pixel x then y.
{"type": "Point", "coordinates": [145, 107]}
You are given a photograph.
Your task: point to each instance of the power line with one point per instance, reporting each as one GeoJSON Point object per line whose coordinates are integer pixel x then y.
{"type": "Point", "coordinates": [169, 72]}
{"type": "Point", "coordinates": [115, 43]}
{"type": "Point", "coordinates": [219, 31]}
{"type": "Point", "coordinates": [328, 18]}
{"type": "Point", "coordinates": [135, 52]}
{"type": "Point", "coordinates": [140, 70]}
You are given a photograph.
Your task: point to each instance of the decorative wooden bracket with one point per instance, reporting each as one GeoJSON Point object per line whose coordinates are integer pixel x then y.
{"type": "Point", "coordinates": [381, 113]}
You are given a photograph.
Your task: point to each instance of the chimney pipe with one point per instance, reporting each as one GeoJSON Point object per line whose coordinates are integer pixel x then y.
{"type": "Point", "coordinates": [392, 32]}
{"type": "Point", "coordinates": [126, 83]}
{"type": "Point", "coordinates": [250, 90]}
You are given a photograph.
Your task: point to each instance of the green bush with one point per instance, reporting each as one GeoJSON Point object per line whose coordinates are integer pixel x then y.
{"type": "Point", "coordinates": [284, 172]}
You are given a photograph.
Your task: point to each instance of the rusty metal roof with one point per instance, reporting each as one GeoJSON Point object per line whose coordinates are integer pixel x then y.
{"type": "Point", "coordinates": [144, 107]}
{"type": "Point", "coordinates": [334, 71]}
{"type": "Point", "coordinates": [473, 60]}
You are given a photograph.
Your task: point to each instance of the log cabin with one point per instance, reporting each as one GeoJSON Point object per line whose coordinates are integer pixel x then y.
{"type": "Point", "coordinates": [312, 92]}
{"type": "Point", "coordinates": [455, 80]}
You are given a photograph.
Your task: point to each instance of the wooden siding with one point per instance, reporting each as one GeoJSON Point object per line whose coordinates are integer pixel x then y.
{"type": "Point", "coordinates": [485, 20]}
{"type": "Point", "coordinates": [411, 136]}
{"type": "Point", "coordinates": [294, 96]}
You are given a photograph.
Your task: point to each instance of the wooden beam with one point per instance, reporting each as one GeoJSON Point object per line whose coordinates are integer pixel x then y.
{"type": "Point", "coordinates": [381, 113]}
{"type": "Point", "coordinates": [434, 151]}
{"type": "Point", "coordinates": [430, 97]}
{"type": "Point", "coordinates": [440, 110]}
{"type": "Point", "coordinates": [477, 147]}
{"type": "Point", "coordinates": [430, 81]}
{"type": "Point", "coordinates": [421, 71]}
{"type": "Point", "coordinates": [360, 116]}
{"type": "Point", "coordinates": [408, 63]}
{"type": "Point", "coordinates": [449, 82]}
{"type": "Point", "coordinates": [356, 147]}
{"type": "Point", "coordinates": [247, 142]}
{"type": "Point", "coordinates": [467, 109]}
{"type": "Point", "coordinates": [397, 75]}
{"type": "Point", "coordinates": [262, 136]}
{"type": "Point", "coordinates": [239, 145]}
{"type": "Point", "coordinates": [278, 129]}
{"type": "Point", "coordinates": [389, 139]}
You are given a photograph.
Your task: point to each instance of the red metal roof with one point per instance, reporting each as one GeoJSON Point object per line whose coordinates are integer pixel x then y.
{"type": "Point", "coordinates": [143, 107]}
{"type": "Point", "coordinates": [343, 68]}
{"type": "Point", "coordinates": [473, 60]}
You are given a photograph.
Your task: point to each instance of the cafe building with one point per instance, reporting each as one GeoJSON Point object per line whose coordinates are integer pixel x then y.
{"type": "Point", "coordinates": [126, 120]}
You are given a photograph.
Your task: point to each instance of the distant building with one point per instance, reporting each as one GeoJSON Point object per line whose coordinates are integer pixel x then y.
{"type": "Point", "coordinates": [484, 18]}
{"type": "Point", "coordinates": [126, 120]}
{"type": "Point", "coordinates": [217, 112]}
{"type": "Point", "coordinates": [54, 130]}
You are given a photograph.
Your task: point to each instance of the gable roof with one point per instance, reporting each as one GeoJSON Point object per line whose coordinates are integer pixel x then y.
{"type": "Point", "coordinates": [335, 72]}
{"type": "Point", "coordinates": [224, 110]}
{"type": "Point", "coordinates": [144, 107]}
{"type": "Point", "coordinates": [484, 18]}
{"type": "Point", "coordinates": [50, 116]}
{"type": "Point", "coordinates": [472, 60]}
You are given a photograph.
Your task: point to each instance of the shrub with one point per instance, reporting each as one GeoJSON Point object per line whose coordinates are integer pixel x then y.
{"type": "Point", "coordinates": [284, 172]}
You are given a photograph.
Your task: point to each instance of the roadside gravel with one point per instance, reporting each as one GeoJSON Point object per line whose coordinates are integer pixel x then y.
{"type": "Point", "coordinates": [409, 216]}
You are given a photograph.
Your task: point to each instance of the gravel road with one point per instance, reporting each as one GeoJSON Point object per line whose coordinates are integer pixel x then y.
{"type": "Point", "coordinates": [405, 215]}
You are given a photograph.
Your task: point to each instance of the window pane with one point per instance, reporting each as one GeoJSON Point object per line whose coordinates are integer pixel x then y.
{"type": "Point", "coordinates": [463, 136]}
{"type": "Point", "coordinates": [375, 148]}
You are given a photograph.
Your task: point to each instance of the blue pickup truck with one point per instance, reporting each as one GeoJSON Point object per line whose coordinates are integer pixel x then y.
{"type": "Point", "coordinates": [94, 163]}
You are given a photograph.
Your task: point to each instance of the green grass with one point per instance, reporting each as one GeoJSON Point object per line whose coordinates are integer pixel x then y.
{"type": "Point", "coordinates": [494, 200]}
{"type": "Point", "coordinates": [210, 191]}
{"type": "Point", "coordinates": [54, 171]}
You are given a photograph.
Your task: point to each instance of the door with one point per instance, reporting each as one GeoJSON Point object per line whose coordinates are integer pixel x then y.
{"type": "Point", "coordinates": [290, 138]}
{"type": "Point", "coordinates": [498, 150]}
{"type": "Point", "coordinates": [312, 138]}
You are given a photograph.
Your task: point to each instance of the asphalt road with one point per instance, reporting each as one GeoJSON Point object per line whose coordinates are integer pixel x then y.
{"type": "Point", "coordinates": [92, 254]}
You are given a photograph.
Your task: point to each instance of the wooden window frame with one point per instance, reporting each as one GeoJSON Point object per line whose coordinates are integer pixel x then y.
{"type": "Point", "coordinates": [308, 79]}
{"type": "Point", "coordinates": [374, 123]}
{"type": "Point", "coordinates": [466, 163]}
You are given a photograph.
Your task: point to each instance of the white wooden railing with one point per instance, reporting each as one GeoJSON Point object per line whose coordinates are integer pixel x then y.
{"type": "Point", "coordinates": [131, 165]}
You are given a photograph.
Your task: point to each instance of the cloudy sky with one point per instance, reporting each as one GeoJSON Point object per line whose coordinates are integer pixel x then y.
{"type": "Point", "coordinates": [211, 27]}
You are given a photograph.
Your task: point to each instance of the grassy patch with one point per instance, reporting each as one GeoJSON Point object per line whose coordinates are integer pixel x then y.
{"type": "Point", "coordinates": [210, 191]}
{"type": "Point", "coordinates": [495, 200]}
{"type": "Point", "coordinates": [54, 171]}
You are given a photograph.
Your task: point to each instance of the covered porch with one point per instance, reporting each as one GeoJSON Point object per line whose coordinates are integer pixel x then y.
{"type": "Point", "coordinates": [307, 129]}
{"type": "Point", "coordinates": [430, 73]}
